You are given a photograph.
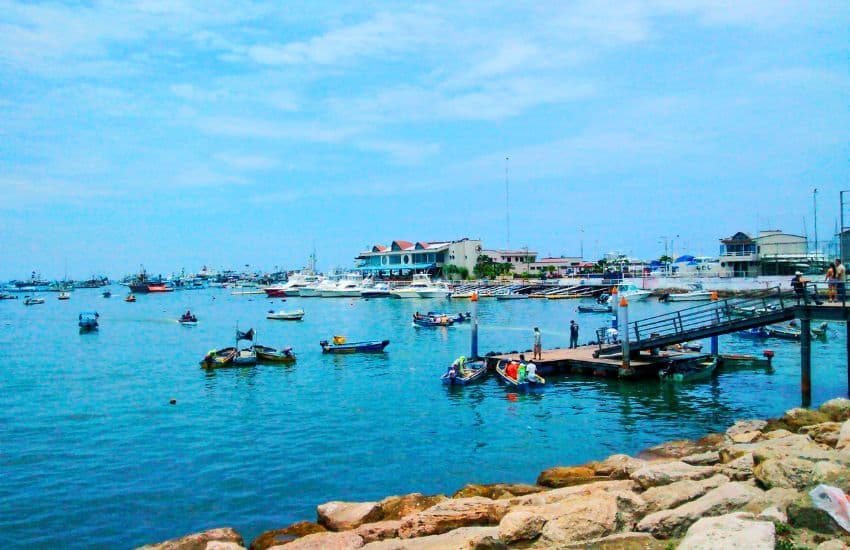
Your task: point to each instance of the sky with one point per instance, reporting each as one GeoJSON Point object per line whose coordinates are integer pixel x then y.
{"type": "Point", "coordinates": [177, 134]}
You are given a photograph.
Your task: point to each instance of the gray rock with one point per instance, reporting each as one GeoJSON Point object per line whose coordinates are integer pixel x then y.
{"type": "Point", "coordinates": [837, 409]}
{"type": "Point", "coordinates": [738, 469]}
{"type": "Point", "coordinates": [773, 514]}
{"type": "Point", "coordinates": [520, 525]}
{"type": "Point", "coordinates": [554, 495]}
{"type": "Point", "coordinates": [746, 426]}
{"type": "Point", "coordinates": [619, 541]}
{"type": "Point", "coordinates": [577, 519]}
{"type": "Point", "coordinates": [653, 475]}
{"type": "Point", "coordinates": [825, 433]}
{"type": "Point", "coordinates": [702, 459]}
{"type": "Point", "coordinates": [451, 514]}
{"type": "Point", "coordinates": [843, 436]}
{"type": "Point", "coordinates": [737, 530]}
{"type": "Point", "coordinates": [219, 545]}
{"type": "Point", "coordinates": [477, 538]}
{"type": "Point", "coordinates": [346, 540]}
{"type": "Point", "coordinates": [724, 499]}
{"type": "Point", "coordinates": [793, 473]}
{"type": "Point", "coordinates": [670, 496]}
{"type": "Point", "coordinates": [379, 530]}
{"type": "Point", "coordinates": [619, 466]}
{"type": "Point", "coordinates": [343, 516]}
{"type": "Point", "coordinates": [833, 544]}
{"type": "Point", "coordinates": [198, 541]}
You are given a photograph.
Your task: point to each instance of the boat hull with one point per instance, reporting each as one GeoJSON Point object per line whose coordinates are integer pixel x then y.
{"type": "Point", "coordinates": [355, 347]}
{"type": "Point", "coordinates": [690, 372]}
{"type": "Point", "coordinates": [217, 359]}
{"type": "Point", "coordinates": [475, 372]}
{"type": "Point", "coordinates": [286, 316]}
{"type": "Point", "coordinates": [266, 354]}
{"type": "Point", "coordinates": [530, 383]}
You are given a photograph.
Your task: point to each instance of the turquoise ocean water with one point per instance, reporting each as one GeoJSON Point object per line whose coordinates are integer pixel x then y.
{"type": "Point", "coordinates": [92, 455]}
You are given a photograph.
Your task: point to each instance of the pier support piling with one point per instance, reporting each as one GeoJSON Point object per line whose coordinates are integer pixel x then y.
{"type": "Point", "coordinates": [626, 367]}
{"type": "Point", "coordinates": [715, 346]}
{"type": "Point", "coordinates": [473, 345]}
{"type": "Point", "coordinates": [847, 339]}
{"type": "Point", "coordinates": [806, 361]}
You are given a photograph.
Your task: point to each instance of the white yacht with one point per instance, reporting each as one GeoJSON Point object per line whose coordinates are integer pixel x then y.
{"type": "Point", "coordinates": [315, 290]}
{"type": "Point", "coordinates": [348, 287]}
{"type": "Point", "coordinates": [422, 287]}
{"type": "Point", "coordinates": [632, 292]}
{"type": "Point", "coordinates": [293, 286]}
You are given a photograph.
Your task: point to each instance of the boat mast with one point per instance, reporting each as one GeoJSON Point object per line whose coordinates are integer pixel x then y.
{"type": "Point", "coordinates": [507, 206]}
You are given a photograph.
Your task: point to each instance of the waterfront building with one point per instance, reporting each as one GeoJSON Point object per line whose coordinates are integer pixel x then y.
{"type": "Point", "coordinates": [771, 253]}
{"type": "Point", "coordinates": [520, 260]}
{"type": "Point", "coordinates": [403, 258]}
{"type": "Point", "coordinates": [562, 266]}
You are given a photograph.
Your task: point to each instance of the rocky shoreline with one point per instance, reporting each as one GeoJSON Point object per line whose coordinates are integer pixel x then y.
{"type": "Point", "coordinates": [745, 488]}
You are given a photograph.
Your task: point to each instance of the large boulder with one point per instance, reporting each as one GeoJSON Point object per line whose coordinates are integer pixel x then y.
{"type": "Point", "coordinates": [838, 409]}
{"type": "Point", "coordinates": [346, 540]}
{"type": "Point", "coordinates": [578, 519]}
{"type": "Point", "coordinates": [520, 525]}
{"type": "Point", "coordinates": [198, 541]}
{"type": "Point", "coordinates": [675, 494]}
{"type": "Point", "coordinates": [739, 469]}
{"type": "Point", "coordinates": [778, 497]}
{"type": "Point", "coordinates": [702, 459]}
{"type": "Point", "coordinates": [284, 535]}
{"type": "Point", "coordinates": [344, 516]}
{"type": "Point", "coordinates": [664, 473]}
{"type": "Point", "coordinates": [724, 499]}
{"type": "Point", "coordinates": [567, 476]}
{"type": "Point", "coordinates": [451, 514]}
{"type": "Point", "coordinates": [477, 538]}
{"type": "Point", "coordinates": [380, 530]}
{"type": "Point", "coordinates": [793, 473]}
{"type": "Point", "coordinates": [672, 450]}
{"type": "Point", "coordinates": [843, 440]}
{"type": "Point", "coordinates": [497, 490]}
{"type": "Point", "coordinates": [618, 541]}
{"type": "Point", "coordinates": [834, 544]}
{"type": "Point", "coordinates": [618, 466]}
{"type": "Point", "coordinates": [793, 446]}
{"type": "Point", "coordinates": [555, 495]}
{"type": "Point", "coordinates": [794, 419]}
{"type": "Point", "coordinates": [746, 426]}
{"type": "Point", "coordinates": [825, 434]}
{"type": "Point", "coordinates": [396, 507]}
{"type": "Point", "coordinates": [738, 530]}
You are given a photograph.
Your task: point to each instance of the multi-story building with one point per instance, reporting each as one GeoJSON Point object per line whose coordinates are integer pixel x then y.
{"type": "Point", "coordinates": [561, 266]}
{"type": "Point", "coordinates": [520, 260]}
{"type": "Point", "coordinates": [771, 253]}
{"type": "Point", "coordinates": [739, 255]}
{"type": "Point", "coordinates": [405, 257]}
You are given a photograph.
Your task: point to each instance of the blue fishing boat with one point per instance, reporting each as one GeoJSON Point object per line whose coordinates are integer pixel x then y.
{"type": "Point", "coordinates": [456, 317]}
{"type": "Point", "coordinates": [509, 372]}
{"type": "Point", "coordinates": [758, 333]}
{"type": "Point", "coordinates": [340, 346]}
{"type": "Point", "coordinates": [473, 371]}
{"type": "Point", "coordinates": [88, 321]}
{"type": "Point", "coordinates": [431, 320]}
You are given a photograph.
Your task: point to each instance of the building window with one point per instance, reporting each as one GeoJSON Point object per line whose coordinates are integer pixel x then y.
{"type": "Point", "coordinates": [406, 259]}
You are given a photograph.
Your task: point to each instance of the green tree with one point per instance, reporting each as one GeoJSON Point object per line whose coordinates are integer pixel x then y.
{"type": "Point", "coordinates": [484, 267]}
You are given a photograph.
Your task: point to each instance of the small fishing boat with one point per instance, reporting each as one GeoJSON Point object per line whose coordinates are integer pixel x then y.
{"type": "Point", "coordinates": [246, 356]}
{"type": "Point", "coordinates": [64, 296]}
{"type": "Point", "coordinates": [7, 296]}
{"type": "Point", "coordinates": [472, 372]}
{"type": "Point", "coordinates": [33, 300]}
{"type": "Point", "coordinates": [272, 355]}
{"type": "Point", "coordinates": [218, 358]}
{"type": "Point", "coordinates": [88, 321]}
{"type": "Point", "coordinates": [130, 298]}
{"type": "Point", "coordinates": [689, 371]}
{"type": "Point", "coordinates": [456, 317]}
{"type": "Point", "coordinates": [758, 333]}
{"type": "Point", "coordinates": [595, 308]}
{"type": "Point", "coordinates": [783, 332]}
{"type": "Point", "coordinates": [295, 315]}
{"type": "Point", "coordinates": [107, 294]}
{"type": "Point", "coordinates": [508, 371]}
{"type": "Point", "coordinates": [188, 319]}
{"type": "Point", "coordinates": [431, 320]}
{"type": "Point", "coordinates": [340, 346]}
{"type": "Point", "coordinates": [511, 296]}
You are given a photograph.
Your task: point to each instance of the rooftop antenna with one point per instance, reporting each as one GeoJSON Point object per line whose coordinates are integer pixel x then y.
{"type": "Point", "coordinates": [507, 205]}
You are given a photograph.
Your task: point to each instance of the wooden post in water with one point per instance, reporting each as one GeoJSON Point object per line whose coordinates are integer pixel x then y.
{"type": "Point", "coordinates": [806, 360]}
{"type": "Point", "coordinates": [473, 346]}
{"type": "Point", "coordinates": [625, 368]}
{"type": "Point", "coordinates": [715, 343]}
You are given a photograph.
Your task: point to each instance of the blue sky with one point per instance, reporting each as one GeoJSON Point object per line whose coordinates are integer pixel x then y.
{"type": "Point", "coordinates": [176, 134]}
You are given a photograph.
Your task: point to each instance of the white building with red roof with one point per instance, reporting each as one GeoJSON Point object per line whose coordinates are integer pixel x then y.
{"type": "Point", "coordinates": [406, 257]}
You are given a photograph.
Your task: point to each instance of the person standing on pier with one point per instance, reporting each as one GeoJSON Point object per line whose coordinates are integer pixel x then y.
{"type": "Point", "coordinates": [840, 279]}
{"type": "Point", "coordinates": [830, 282]}
{"type": "Point", "coordinates": [573, 334]}
{"type": "Point", "coordinates": [538, 350]}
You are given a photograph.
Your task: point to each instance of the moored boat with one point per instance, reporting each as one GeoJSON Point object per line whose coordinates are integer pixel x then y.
{"type": "Point", "coordinates": [758, 333]}
{"type": "Point", "coordinates": [295, 315]}
{"type": "Point", "coordinates": [188, 319]}
{"type": "Point", "coordinates": [700, 368]}
{"type": "Point", "coordinates": [33, 300]}
{"type": "Point", "coordinates": [782, 332]}
{"type": "Point", "coordinates": [88, 321]}
{"type": "Point", "coordinates": [422, 287]}
{"type": "Point", "coordinates": [631, 292]}
{"type": "Point", "coordinates": [460, 317]}
{"type": "Point", "coordinates": [511, 296]}
{"type": "Point", "coordinates": [509, 372]}
{"type": "Point", "coordinates": [473, 371]}
{"type": "Point", "coordinates": [107, 294]}
{"type": "Point", "coordinates": [340, 346]}
{"type": "Point", "coordinates": [218, 358]}
{"type": "Point", "coordinates": [595, 308]}
{"type": "Point", "coordinates": [376, 290]}
{"type": "Point", "coordinates": [245, 357]}
{"type": "Point", "coordinates": [64, 296]}
{"type": "Point", "coordinates": [272, 355]}
{"type": "Point", "coordinates": [432, 320]}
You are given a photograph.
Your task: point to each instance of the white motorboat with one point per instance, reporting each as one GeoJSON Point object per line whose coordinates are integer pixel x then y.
{"type": "Point", "coordinates": [315, 290]}
{"type": "Point", "coordinates": [293, 286]}
{"type": "Point", "coordinates": [632, 292]}
{"type": "Point", "coordinates": [295, 315]}
{"type": "Point", "coordinates": [349, 286]}
{"type": "Point", "coordinates": [696, 294]}
{"type": "Point", "coordinates": [422, 287]}
{"type": "Point", "coordinates": [375, 290]}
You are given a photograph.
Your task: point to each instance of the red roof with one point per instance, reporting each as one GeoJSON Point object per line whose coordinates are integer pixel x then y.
{"type": "Point", "coordinates": [402, 245]}
{"type": "Point", "coordinates": [422, 245]}
{"type": "Point", "coordinates": [379, 248]}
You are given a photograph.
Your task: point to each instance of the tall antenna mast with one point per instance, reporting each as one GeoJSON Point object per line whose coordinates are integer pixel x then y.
{"type": "Point", "coordinates": [507, 205]}
{"type": "Point", "coordinates": [815, 200]}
